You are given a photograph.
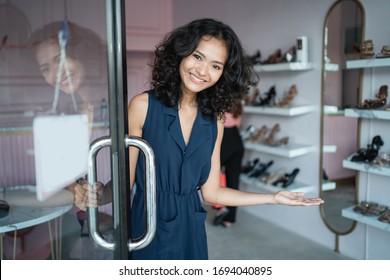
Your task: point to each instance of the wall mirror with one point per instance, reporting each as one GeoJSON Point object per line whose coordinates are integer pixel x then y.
{"type": "Point", "coordinates": [343, 32]}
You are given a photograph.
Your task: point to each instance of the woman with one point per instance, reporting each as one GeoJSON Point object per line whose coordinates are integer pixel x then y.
{"type": "Point", "coordinates": [199, 71]}
{"type": "Point", "coordinates": [81, 82]}
{"type": "Point", "coordinates": [81, 75]}
{"type": "Point", "coordinates": [232, 152]}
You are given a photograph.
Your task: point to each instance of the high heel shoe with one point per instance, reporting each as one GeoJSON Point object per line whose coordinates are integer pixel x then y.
{"type": "Point", "coordinates": [287, 179]}
{"type": "Point", "coordinates": [270, 141]}
{"type": "Point", "coordinates": [273, 177]}
{"type": "Point", "coordinates": [385, 52]}
{"type": "Point", "coordinates": [259, 135]}
{"type": "Point", "coordinates": [274, 57]}
{"type": "Point", "coordinates": [250, 98]}
{"type": "Point", "coordinates": [218, 220]}
{"type": "Point", "coordinates": [290, 55]}
{"type": "Point", "coordinates": [369, 154]}
{"type": "Point", "coordinates": [249, 166]}
{"type": "Point", "coordinates": [269, 98]}
{"type": "Point", "coordinates": [247, 133]}
{"type": "Point", "coordinates": [256, 58]}
{"type": "Point", "coordinates": [367, 49]}
{"type": "Point", "coordinates": [260, 169]}
{"type": "Point", "coordinates": [288, 97]}
{"type": "Point", "coordinates": [380, 101]}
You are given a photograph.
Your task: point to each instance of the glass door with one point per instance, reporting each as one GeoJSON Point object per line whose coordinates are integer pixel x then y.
{"type": "Point", "coordinates": [63, 122]}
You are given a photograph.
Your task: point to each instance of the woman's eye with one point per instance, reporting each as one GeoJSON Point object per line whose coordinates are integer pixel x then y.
{"type": "Point", "coordinates": [217, 67]}
{"type": "Point", "coordinates": [197, 56]}
{"type": "Point", "coordinates": [44, 70]}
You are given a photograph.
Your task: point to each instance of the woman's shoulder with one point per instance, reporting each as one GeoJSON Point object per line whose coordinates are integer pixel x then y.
{"type": "Point", "coordinates": [139, 103]}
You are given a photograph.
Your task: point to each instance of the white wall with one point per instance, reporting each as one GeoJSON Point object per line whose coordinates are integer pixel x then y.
{"type": "Point", "coordinates": [270, 24]}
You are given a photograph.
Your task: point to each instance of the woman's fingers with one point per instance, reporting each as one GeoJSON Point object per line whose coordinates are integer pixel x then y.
{"type": "Point", "coordinates": [86, 195]}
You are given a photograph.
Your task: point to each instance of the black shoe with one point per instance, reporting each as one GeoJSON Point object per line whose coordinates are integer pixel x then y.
{"type": "Point", "coordinates": [218, 220]}
{"type": "Point", "coordinates": [250, 165]}
{"type": "Point", "coordinates": [287, 179]}
{"type": "Point", "coordinates": [4, 208]}
{"type": "Point", "coordinates": [260, 169]}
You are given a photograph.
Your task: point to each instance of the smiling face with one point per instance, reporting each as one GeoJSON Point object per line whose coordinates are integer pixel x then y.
{"type": "Point", "coordinates": [48, 58]}
{"type": "Point", "coordinates": [203, 68]}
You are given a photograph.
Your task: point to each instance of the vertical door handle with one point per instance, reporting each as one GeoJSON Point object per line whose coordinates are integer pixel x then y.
{"type": "Point", "coordinates": [150, 189]}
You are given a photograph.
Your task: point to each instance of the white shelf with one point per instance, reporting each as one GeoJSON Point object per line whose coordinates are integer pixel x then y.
{"type": "Point", "coordinates": [328, 109]}
{"type": "Point", "coordinates": [328, 186]}
{"type": "Point", "coordinates": [288, 111]}
{"type": "Point", "coordinates": [368, 220]}
{"type": "Point", "coordinates": [367, 113]}
{"type": "Point", "coordinates": [331, 67]}
{"type": "Point", "coordinates": [292, 66]}
{"type": "Point", "coordinates": [295, 186]}
{"type": "Point", "coordinates": [329, 148]}
{"type": "Point", "coordinates": [289, 151]}
{"type": "Point", "coordinates": [366, 167]}
{"type": "Point", "coordinates": [368, 63]}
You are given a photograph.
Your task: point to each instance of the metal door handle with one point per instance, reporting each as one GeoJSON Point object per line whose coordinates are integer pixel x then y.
{"type": "Point", "coordinates": [150, 189]}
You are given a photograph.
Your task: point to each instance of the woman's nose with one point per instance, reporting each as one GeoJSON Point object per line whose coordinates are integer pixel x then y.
{"type": "Point", "coordinates": [201, 68]}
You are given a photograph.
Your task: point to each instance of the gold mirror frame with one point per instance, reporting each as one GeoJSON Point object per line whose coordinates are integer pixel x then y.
{"type": "Point", "coordinates": [360, 8]}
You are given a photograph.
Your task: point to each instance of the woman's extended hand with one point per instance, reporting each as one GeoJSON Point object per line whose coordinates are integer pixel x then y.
{"type": "Point", "coordinates": [87, 196]}
{"type": "Point", "coordinates": [295, 199]}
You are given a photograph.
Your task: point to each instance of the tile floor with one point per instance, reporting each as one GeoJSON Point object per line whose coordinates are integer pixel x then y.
{"type": "Point", "coordinates": [253, 238]}
{"type": "Point", "coordinates": [250, 238]}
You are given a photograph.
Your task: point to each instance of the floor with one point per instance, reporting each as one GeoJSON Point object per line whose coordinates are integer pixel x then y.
{"type": "Point", "coordinates": [250, 238]}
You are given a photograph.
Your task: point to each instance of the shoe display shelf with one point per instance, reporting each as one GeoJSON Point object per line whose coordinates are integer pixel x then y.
{"type": "Point", "coordinates": [368, 63]}
{"type": "Point", "coordinates": [368, 220]}
{"type": "Point", "coordinates": [289, 111]}
{"type": "Point", "coordinates": [361, 166]}
{"type": "Point", "coordinates": [328, 186]}
{"type": "Point", "coordinates": [295, 186]}
{"type": "Point", "coordinates": [332, 67]}
{"type": "Point", "coordinates": [366, 167]}
{"type": "Point", "coordinates": [277, 67]}
{"type": "Point", "coordinates": [290, 150]}
{"type": "Point", "coordinates": [368, 113]}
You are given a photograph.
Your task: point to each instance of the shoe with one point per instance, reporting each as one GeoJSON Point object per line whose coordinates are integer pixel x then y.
{"type": "Point", "coordinates": [259, 136]}
{"type": "Point", "coordinates": [325, 176]}
{"type": "Point", "coordinates": [4, 208]}
{"type": "Point", "coordinates": [273, 177]}
{"type": "Point", "coordinates": [288, 97]}
{"type": "Point", "coordinates": [287, 179]}
{"type": "Point", "coordinates": [250, 165]}
{"type": "Point", "coordinates": [251, 98]}
{"type": "Point", "coordinates": [370, 208]}
{"type": "Point", "coordinates": [367, 49]}
{"type": "Point", "coordinates": [256, 58]}
{"type": "Point", "coordinates": [247, 133]}
{"type": "Point", "coordinates": [385, 217]}
{"type": "Point", "coordinates": [290, 55]}
{"type": "Point", "coordinates": [369, 155]}
{"type": "Point", "coordinates": [268, 100]}
{"type": "Point", "coordinates": [227, 224]}
{"type": "Point", "coordinates": [380, 101]}
{"type": "Point", "coordinates": [218, 220]}
{"type": "Point", "coordinates": [260, 169]}
{"type": "Point", "coordinates": [385, 52]}
{"type": "Point", "coordinates": [276, 57]}
{"type": "Point", "coordinates": [270, 141]}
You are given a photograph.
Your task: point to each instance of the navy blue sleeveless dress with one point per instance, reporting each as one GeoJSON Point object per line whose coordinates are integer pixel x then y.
{"type": "Point", "coordinates": [180, 171]}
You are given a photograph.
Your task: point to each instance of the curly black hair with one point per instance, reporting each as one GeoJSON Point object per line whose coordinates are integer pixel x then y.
{"type": "Point", "coordinates": [237, 78]}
